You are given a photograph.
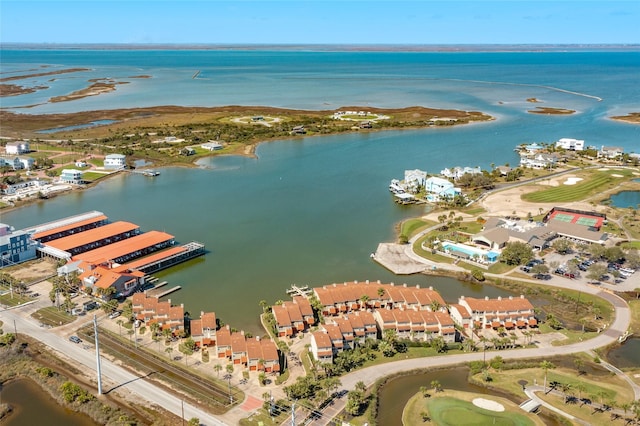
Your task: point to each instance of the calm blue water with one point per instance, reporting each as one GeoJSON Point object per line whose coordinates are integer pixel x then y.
{"type": "Point", "coordinates": [310, 210]}
{"type": "Point", "coordinates": [625, 199]}
{"type": "Point", "coordinates": [497, 83]}
{"type": "Point", "coordinates": [78, 126]}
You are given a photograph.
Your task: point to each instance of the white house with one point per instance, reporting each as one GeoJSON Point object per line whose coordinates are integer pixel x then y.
{"type": "Point", "coordinates": [570, 144]}
{"type": "Point", "coordinates": [413, 179]}
{"type": "Point", "coordinates": [458, 172]}
{"type": "Point", "coordinates": [25, 162]}
{"type": "Point", "coordinates": [538, 161]}
{"type": "Point", "coordinates": [610, 152]}
{"type": "Point", "coordinates": [71, 176]}
{"type": "Point", "coordinates": [212, 146]}
{"type": "Point", "coordinates": [438, 189]}
{"type": "Point", "coordinates": [114, 161]}
{"type": "Point", "coordinates": [17, 148]}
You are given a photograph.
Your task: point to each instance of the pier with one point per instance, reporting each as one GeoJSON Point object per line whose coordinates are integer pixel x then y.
{"type": "Point", "coordinates": [159, 294]}
{"type": "Point", "coordinates": [299, 291]}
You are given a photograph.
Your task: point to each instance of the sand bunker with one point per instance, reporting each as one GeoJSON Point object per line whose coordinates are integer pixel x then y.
{"type": "Point", "coordinates": [488, 404]}
{"type": "Point", "coordinates": [616, 175]}
{"type": "Point", "coordinates": [572, 180]}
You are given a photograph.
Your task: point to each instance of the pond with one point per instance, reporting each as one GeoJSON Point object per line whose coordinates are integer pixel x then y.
{"type": "Point", "coordinates": [33, 406]}
{"type": "Point", "coordinates": [77, 126]}
{"type": "Point", "coordinates": [625, 199]}
{"type": "Point", "coordinates": [626, 355]}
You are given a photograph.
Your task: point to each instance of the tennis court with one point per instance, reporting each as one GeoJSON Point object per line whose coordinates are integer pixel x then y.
{"type": "Point", "coordinates": [577, 218]}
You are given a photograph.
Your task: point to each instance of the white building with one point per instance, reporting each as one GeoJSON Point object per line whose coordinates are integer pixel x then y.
{"type": "Point", "coordinates": [114, 161]}
{"type": "Point", "coordinates": [413, 179]}
{"type": "Point", "coordinates": [212, 146]}
{"type": "Point", "coordinates": [71, 176]}
{"type": "Point", "coordinates": [438, 189]}
{"type": "Point", "coordinates": [458, 172]}
{"type": "Point", "coordinates": [610, 152]}
{"type": "Point", "coordinates": [538, 161]}
{"type": "Point", "coordinates": [570, 144]}
{"type": "Point", "coordinates": [17, 148]}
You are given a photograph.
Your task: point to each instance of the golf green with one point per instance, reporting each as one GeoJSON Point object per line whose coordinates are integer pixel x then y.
{"type": "Point", "coordinates": [447, 411]}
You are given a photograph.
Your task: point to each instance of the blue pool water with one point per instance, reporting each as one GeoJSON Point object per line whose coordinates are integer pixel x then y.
{"type": "Point", "coordinates": [470, 251]}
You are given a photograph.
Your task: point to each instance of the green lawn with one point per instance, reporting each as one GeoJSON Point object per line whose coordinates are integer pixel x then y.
{"type": "Point", "coordinates": [93, 176]}
{"type": "Point", "coordinates": [591, 185]}
{"type": "Point", "coordinates": [412, 226]}
{"type": "Point", "coordinates": [451, 411]}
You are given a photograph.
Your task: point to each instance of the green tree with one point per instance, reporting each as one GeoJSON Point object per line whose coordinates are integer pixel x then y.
{"type": "Point", "coordinates": [596, 271]}
{"type": "Point", "coordinates": [562, 246]}
{"type": "Point", "coordinates": [516, 253]}
{"type": "Point", "coordinates": [217, 368]}
{"type": "Point", "coordinates": [194, 421]}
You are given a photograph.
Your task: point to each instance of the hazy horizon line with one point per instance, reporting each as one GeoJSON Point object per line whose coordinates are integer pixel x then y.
{"type": "Point", "coordinates": [417, 47]}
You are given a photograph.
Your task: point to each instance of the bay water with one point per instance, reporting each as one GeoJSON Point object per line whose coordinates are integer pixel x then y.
{"type": "Point", "coordinates": [309, 211]}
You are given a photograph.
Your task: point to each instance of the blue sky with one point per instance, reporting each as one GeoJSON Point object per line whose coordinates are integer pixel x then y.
{"type": "Point", "coordinates": [318, 22]}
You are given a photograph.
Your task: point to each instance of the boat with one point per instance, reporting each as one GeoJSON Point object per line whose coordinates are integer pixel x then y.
{"type": "Point", "coordinates": [150, 173]}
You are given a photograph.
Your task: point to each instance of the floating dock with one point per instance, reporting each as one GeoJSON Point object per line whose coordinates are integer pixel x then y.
{"type": "Point", "coordinates": [299, 291]}
{"type": "Point", "coordinates": [159, 294]}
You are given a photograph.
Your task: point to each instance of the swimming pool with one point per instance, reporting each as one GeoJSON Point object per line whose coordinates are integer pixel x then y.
{"type": "Point", "coordinates": [450, 247]}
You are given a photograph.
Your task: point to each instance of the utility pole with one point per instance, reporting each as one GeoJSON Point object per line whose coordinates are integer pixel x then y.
{"type": "Point", "coordinates": [183, 412]}
{"type": "Point", "coordinates": [15, 329]}
{"type": "Point", "coordinates": [293, 414]}
{"type": "Point", "coordinates": [98, 369]}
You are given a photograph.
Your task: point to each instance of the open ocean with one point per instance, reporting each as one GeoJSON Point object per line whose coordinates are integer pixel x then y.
{"type": "Point", "coordinates": [310, 210]}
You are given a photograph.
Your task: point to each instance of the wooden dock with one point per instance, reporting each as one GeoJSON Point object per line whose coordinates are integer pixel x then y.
{"type": "Point", "coordinates": [159, 294]}
{"type": "Point", "coordinates": [299, 291]}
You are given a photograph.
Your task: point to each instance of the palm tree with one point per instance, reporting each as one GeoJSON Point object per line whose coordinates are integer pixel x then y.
{"type": "Point", "coordinates": [168, 350]}
{"type": "Point", "coordinates": [217, 368]}
{"type": "Point", "coordinates": [546, 366]}
{"type": "Point", "coordinates": [436, 385]}
{"type": "Point", "coordinates": [580, 387]}
{"type": "Point", "coordinates": [364, 300]}
{"type": "Point", "coordinates": [119, 322]}
{"type": "Point", "coordinates": [565, 388]}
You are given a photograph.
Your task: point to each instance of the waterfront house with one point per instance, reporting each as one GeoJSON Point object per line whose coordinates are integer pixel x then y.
{"type": "Point", "coordinates": [203, 329]}
{"type": "Point", "coordinates": [538, 161]}
{"type": "Point", "coordinates": [223, 344]}
{"type": "Point", "coordinates": [295, 316]}
{"type": "Point", "coordinates": [305, 309]}
{"type": "Point", "coordinates": [321, 347]}
{"type": "Point", "coordinates": [298, 130]}
{"type": "Point", "coordinates": [570, 144]}
{"type": "Point", "coordinates": [15, 246]}
{"type": "Point", "coordinates": [508, 312]}
{"type": "Point", "coordinates": [17, 148]}
{"type": "Point", "coordinates": [176, 319]}
{"type": "Point", "coordinates": [610, 152]}
{"type": "Point", "coordinates": [28, 185]}
{"type": "Point", "coordinates": [17, 163]}
{"type": "Point", "coordinates": [71, 176]}
{"type": "Point", "coordinates": [187, 151]}
{"type": "Point", "coordinates": [284, 326]}
{"type": "Point", "coordinates": [414, 179]}
{"type": "Point", "coordinates": [212, 146]}
{"type": "Point", "coordinates": [254, 354]}
{"type": "Point", "coordinates": [114, 161]}
{"type": "Point", "coordinates": [457, 172]}
{"type": "Point", "coordinates": [100, 277]}
{"type": "Point", "coordinates": [238, 348]}
{"type": "Point", "coordinates": [438, 189]}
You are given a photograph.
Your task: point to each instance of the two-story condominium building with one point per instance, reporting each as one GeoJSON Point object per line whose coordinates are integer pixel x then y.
{"type": "Point", "coordinates": [114, 161]}
{"type": "Point", "coordinates": [356, 296]}
{"type": "Point", "coordinates": [284, 326]}
{"type": "Point", "coordinates": [508, 312]}
{"type": "Point", "coordinates": [335, 335]}
{"type": "Point", "coordinates": [150, 310]}
{"type": "Point", "coordinates": [238, 348]}
{"type": "Point", "coordinates": [570, 144]}
{"type": "Point", "coordinates": [223, 345]}
{"type": "Point", "coordinates": [305, 309]}
{"type": "Point", "coordinates": [203, 329]}
{"type": "Point", "coordinates": [416, 325]}
{"type": "Point", "coordinates": [262, 355]}
{"type": "Point", "coordinates": [15, 246]}
{"type": "Point", "coordinates": [321, 347]}
{"type": "Point", "coordinates": [346, 329]}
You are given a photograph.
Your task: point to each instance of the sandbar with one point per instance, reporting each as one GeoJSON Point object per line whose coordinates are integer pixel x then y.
{"type": "Point", "coordinates": [551, 111]}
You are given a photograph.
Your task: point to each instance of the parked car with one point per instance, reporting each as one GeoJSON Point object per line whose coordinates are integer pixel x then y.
{"type": "Point", "coordinates": [75, 339]}
{"type": "Point", "coordinates": [114, 314]}
{"type": "Point", "coordinates": [77, 311]}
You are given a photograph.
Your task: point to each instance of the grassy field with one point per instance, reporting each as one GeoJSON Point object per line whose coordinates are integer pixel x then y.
{"type": "Point", "coordinates": [52, 316]}
{"type": "Point", "coordinates": [592, 184]}
{"type": "Point", "coordinates": [93, 176]}
{"type": "Point", "coordinates": [411, 227]}
{"type": "Point", "coordinates": [455, 408]}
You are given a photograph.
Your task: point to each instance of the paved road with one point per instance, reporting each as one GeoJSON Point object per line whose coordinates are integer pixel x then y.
{"type": "Point", "coordinates": [113, 376]}
{"type": "Point", "coordinates": [371, 374]}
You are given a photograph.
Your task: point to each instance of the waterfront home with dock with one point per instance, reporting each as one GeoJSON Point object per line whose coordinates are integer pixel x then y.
{"type": "Point", "coordinates": [115, 161]}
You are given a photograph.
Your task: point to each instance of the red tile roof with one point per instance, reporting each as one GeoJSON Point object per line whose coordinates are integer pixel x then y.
{"type": "Point", "coordinates": [322, 340]}
{"type": "Point", "coordinates": [281, 315]}
{"type": "Point", "coordinates": [238, 342]}
{"type": "Point", "coordinates": [208, 320]}
{"type": "Point", "coordinates": [254, 349]}
{"type": "Point", "coordinates": [224, 337]}
{"type": "Point", "coordinates": [138, 263]}
{"type": "Point", "coordinates": [196, 328]}
{"type": "Point", "coordinates": [269, 350]}
{"type": "Point", "coordinates": [304, 304]}
{"type": "Point", "coordinates": [501, 304]}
